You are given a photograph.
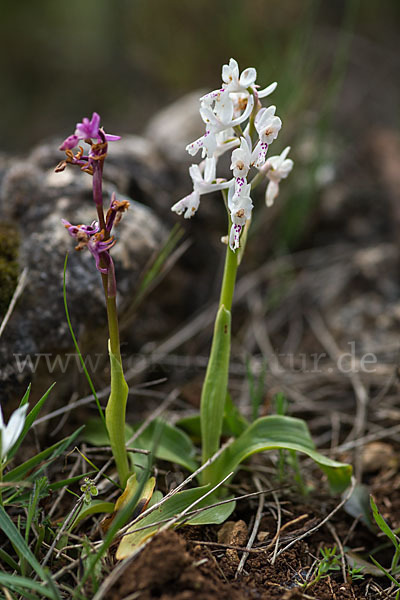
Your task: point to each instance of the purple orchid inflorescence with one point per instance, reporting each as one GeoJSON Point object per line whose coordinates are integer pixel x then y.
{"type": "Point", "coordinates": [97, 236]}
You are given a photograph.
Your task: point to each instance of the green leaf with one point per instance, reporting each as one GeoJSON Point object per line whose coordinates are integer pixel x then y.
{"type": "Point", "coordinates": [95, 507]}
{"type": "Point", "coordinates": [133, 489]}
{"type": "Point", "coordinates": [233, 423]}
{"type": "Point", "coordinates": [383, 526]}
{"type": "Point", "coordinates": [231, 426]}
{"type": "Point", "coordinates": [280, 432]}
{"type": "Point", "coordinates": [168, 443]}
{"type": "Point", "coordinates": [43, 459]}
{"type": "Point", "coordinates": [118, 522]}
{"type": "Point", "coordinates": [169, 509]}
{"type": "Point", "coordinates": [115, 417]}
{"type": "Point", "coordinates": [12, 533]}
{"type": "Point", "coordinates": [213, 395]}
{"type": "Point", "coordinates": [96, 434]}
{"type": "Point", "coordinates": [215, 515]}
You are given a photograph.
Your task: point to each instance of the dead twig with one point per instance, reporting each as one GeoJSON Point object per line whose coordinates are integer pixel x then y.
{"type": "Point", "coordinates": [325, 520]}
{"type": "Point", "coordinates": [256, 526]}
{"type": "Point", "coordinates": [17, 293]}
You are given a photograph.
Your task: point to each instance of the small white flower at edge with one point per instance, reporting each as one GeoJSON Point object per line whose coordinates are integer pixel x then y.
{"type": "Point", "coordinates": [10, 433]}
{"type": "Point", "coordinates": [202, 184]}
{"type": "Point", "coordinates": [279, 168]}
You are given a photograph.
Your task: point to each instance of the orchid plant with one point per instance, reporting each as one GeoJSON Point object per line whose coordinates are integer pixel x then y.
{"type": "Point", "coordinates": [98, 239]}
{"type": "Point", "coordinates": [236, 122]}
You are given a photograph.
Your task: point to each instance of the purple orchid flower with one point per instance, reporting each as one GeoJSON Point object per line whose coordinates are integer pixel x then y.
{"type": "Point", "coordinates": [88, 129]}
{"type": "Point", "coordinates": [91, 237]}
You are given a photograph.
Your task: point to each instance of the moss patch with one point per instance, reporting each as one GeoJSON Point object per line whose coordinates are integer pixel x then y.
{"type": "Point", "coordinates": [9, 268]}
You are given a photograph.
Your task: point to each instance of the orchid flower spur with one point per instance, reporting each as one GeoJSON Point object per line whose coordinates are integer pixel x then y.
{"type": "Point", "coordinates": [98, 239]}
{"type": "Point", "coordinates": [10, 433]}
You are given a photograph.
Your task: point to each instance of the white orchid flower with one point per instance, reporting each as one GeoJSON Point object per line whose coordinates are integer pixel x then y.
{"type": "Point", "coordinates": [204, 181]}
{"type": "Point", "coordinates": [235, 82]}
{"type": "Point", "coordinates": [267, 126]}
{"type": "Point", "coordinates": [241, 159]}
{"type": "Point", "coordinates": [240, 207]}
{"type": "Point", "coordinates": [10, 433]}
{"type": "Point", "coordinates": [279, 168]}
{"type": "Point", "coordinates": [217, 119]}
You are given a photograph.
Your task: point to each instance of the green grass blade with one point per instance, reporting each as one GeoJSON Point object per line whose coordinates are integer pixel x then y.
{"type": "Point", "coordinates": [12, 533]}
{"type": "Point", "coordinates": [6, 558]}
{"type": "Point", "coordinates": [155, 268]}
{"type": "Point", "coordinates": [20, 584]}
{"type": "Point", "coordinates": [383, 526]}
{"type": "Point", "coordinates": [385, 572]}
{"type": "Point", "coordinates": [120, 519]}
{"type": "Point", "coordinates": [76, 343]}
{"type": "Point", "coordinates": [25, 397]}
{"type": "Point", "coordinates": [48, 455]}
{"type": "Point", "coordinates": [285, 433]}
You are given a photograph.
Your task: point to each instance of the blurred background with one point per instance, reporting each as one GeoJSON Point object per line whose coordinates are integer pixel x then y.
{"type": "Point", "coordinates": [128, 58]}
{"type": "Point", "coordinates": [337, 65]}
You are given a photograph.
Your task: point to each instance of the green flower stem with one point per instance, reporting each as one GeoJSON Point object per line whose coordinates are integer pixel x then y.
{"type": "Point", "coordinates": [215, 384]}
{"type": "Point", "coordinates": [229, 279]}
{"type": "Point", "coordinates": [116, 405]}
{"type": "Point", "coordinates": [113, 328]}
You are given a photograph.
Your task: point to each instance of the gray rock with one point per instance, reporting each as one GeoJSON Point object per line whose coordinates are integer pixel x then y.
{"type": "Point", "coordinates": [171, 129]}
{"type": "Point", "coordinates": [34, 200]}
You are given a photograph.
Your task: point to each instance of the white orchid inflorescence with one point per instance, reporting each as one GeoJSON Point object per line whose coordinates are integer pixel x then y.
{"type": "Point", "coordinates": [225, 112]}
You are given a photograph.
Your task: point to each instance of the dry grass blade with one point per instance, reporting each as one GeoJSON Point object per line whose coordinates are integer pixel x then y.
{"type": "Point", "coordinates": [325, 520]}
{"type": "Point", "coordinates": [254, 531]}
{"type": "Point", "coordinates": [17, 293]}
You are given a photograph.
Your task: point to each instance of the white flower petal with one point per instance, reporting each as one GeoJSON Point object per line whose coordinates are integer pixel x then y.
{"type": "Point", "coordinates": [248, 77]}
{"type": "Point", "coordinates": [11, 432]}
{"type": "Point", "coordinates": [187, 205]}
{"type": "Point", "coordinates": [268, 90]}
{"type": "Point", "coordinates": [271, 193]}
